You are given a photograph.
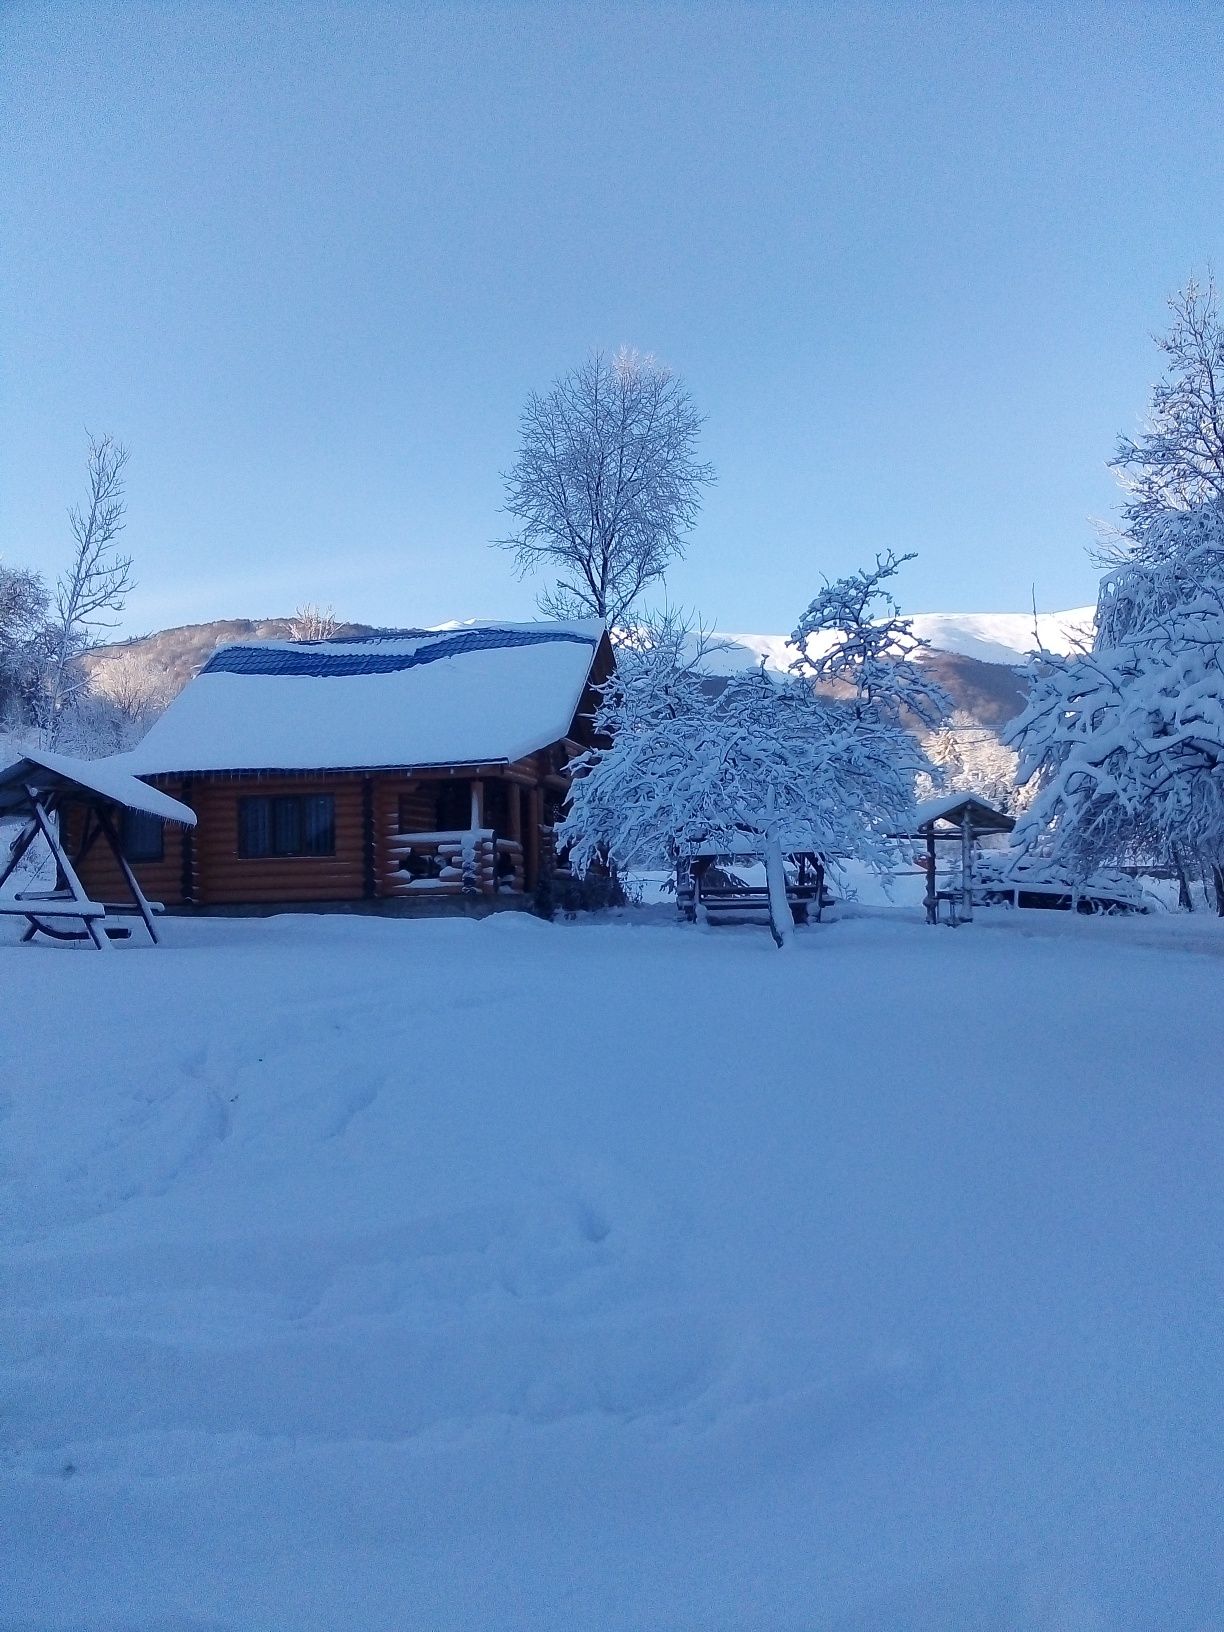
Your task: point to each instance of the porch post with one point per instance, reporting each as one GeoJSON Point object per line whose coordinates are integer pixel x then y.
{"type": "Point", "coordinates": [531, 839]}
{"type": "Point", "coordinates": [967, 868]}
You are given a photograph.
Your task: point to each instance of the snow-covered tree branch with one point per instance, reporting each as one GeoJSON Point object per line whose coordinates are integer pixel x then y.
{"type": "Point", "coordinates": [1176, 464]}
{"type": "Point", "coordinates": [853, 636]}
{"type": "Point", "coordinates": [1127, 741]}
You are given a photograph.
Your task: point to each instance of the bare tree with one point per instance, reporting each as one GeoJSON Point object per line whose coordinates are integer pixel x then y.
{"type": "Point", "coordinates": [311, 621]}
{"type": "Point", "coordinates": [606, 483]}
{"type": "Point", "coordinates": [97, 581]}
{"type": "Point", "coordinates": [136, 685]}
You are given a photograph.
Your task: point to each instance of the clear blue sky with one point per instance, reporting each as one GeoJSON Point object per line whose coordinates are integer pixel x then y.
{"type": "Point", "coordinates": [308, 261]}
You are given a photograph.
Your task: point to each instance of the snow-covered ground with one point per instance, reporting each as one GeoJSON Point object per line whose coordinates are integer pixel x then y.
{"type": "Point", "coordinates": [375, 1275]}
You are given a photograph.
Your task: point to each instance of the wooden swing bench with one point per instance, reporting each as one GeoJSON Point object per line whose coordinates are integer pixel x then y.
{"type": "Point", "coordinates": [34, 787]}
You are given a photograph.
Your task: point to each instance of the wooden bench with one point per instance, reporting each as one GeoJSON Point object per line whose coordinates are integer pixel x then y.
{"type": "Point", "coordinates": [726, 894]}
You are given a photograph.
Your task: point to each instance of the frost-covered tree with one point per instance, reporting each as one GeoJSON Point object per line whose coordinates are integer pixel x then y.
{"type": "Point", "coordinates": [135, 685]}
{"type": "Point", "coordinates": [710, 765]}
{"type": "Point", "coordinates": [23, 605]}
{"type": "Point", "coordinates": [1123, 742]}
{"type": "Point", "coordinates": [313, 622]}
{"type": "Point", "coordinates": [606, 483]}
{"type": "Point", "coordinates": [1173, 472]}
{"type": "Point", "coordinates": [854, 637]}
{"type": "Point", "coordinates": [691, 760]}
{"type": "Point", "coordinates": [967, 757]}
{"type": "Point", "coordinates": [94, 585]}
{"type": "Point", "coordinates": [1127, 741]}
{"type": "Point", "coordinates": [23, 643]}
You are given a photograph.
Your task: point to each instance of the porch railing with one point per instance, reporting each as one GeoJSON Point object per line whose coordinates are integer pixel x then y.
{"type": "Point", "coordinates": [470, 861]}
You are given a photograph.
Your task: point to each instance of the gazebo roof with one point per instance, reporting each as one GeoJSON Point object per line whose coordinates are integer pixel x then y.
{"type": "Point", "coordinates": [952, 811]}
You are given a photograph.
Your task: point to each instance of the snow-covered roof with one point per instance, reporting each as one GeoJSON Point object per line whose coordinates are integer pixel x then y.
{"type": "Point", "coordinates": [478, 694]}
{"type": "Point", "coordinates": [952, 808]}
{"type": "Point", "coordinates": [46, 772]}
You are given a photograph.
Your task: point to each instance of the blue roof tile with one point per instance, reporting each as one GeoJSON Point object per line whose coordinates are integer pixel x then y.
{"type": "Point", "coordinates": [322, 661]}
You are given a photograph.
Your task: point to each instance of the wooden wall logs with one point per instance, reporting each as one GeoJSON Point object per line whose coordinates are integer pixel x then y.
{"type": "Point", "coordinates": [227, 878]}
{"type": "Point", "coordinates": [380, 817]}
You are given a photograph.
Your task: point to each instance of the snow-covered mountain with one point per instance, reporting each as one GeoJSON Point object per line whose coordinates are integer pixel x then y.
{"type": "Point", "coordinates": [986, 637]}
{"type": "Point", "coordinates": [975, 654]}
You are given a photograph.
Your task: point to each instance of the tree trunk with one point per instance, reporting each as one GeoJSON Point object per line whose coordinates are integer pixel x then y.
{"type": "Point", "coordinates": [781, 924]}
{"type": "Point", "coordinates": [1217, 878]}
{"type": "Point", "coordinates": [1185, 899]}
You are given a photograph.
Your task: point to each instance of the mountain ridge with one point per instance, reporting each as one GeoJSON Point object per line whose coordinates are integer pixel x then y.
{"type": "Point", "coordinates": [976, 655]}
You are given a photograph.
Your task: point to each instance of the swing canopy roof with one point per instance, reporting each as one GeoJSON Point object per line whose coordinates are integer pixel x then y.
{"type": "Point", "coordinates": [35, 773]}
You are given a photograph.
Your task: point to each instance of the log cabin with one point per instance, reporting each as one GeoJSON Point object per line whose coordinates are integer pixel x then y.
{"type": "Point", "coordinates": [412, 769]}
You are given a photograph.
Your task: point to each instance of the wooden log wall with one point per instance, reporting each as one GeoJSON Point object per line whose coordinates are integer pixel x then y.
{"type": "Point", "coordinates": [224, 877]}
{"type": "Point", "coordinates": [99, 871]}
{"type": "Point", "coordinates": [203, 866]}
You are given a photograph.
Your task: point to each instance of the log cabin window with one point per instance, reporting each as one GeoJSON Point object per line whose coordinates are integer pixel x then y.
{"type": "Point", "coordinates": [295, 824]}
{"type": "Point", "coordinates": [142, 837]}
{"type": "Point", "coordinates": [454, 807]}
{"type": "Point", "coordinates": [497, 806]}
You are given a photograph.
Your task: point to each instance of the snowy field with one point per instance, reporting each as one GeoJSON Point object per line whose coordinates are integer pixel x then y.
{"type": "Point", "coordinates": [371, 1275]}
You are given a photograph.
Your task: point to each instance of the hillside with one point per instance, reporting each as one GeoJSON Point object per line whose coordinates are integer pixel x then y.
{"type": "Point", "coordinates": [183, 650]}
{"type": "Point", "coordinates": [974, 654]}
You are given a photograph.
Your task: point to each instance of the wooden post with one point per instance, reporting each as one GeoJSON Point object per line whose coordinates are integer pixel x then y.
{"type": "Point", "coordinates": [531, 847]}
{"type": "Point", "coordinates": [932, 899]}
{"type": "Point", "coordinates": [515, 796]}
{"type": "Point", "coordinates": [19, 846]}
{"type": "Point", "coordinates": [700, 915]}
{"type": "Point", "coordinates": [64, 871]}
{"type": "Point", "coordinates": [966, 912]}
{"type": "Point", "coordinates": [477, 803]}
{"type": "Point", "coordinates": [138, 895]}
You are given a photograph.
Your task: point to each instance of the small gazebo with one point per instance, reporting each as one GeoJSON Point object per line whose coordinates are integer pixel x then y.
{"type": "Point", "coordinates": [32, 788]}
{"type": "Point", "coordinates": [961, 818]}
